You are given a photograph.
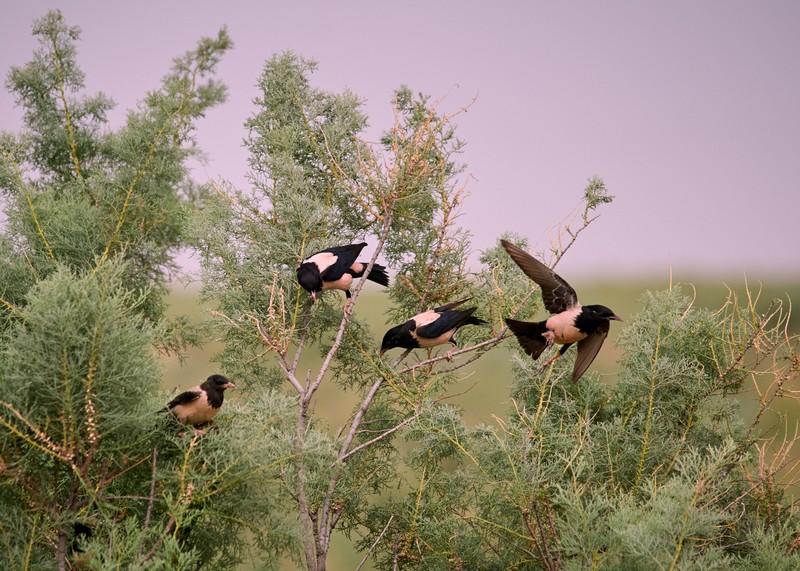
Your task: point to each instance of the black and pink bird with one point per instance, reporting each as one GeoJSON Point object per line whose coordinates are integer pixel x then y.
{"type": "Point", "coordinates": [337, 268]}
{"type": "Point", "coordinates": [198, 405]}
{"type": "Point", "coordinates": [570, 322]}
{"type": "Point", "coordinates": [431, 328]}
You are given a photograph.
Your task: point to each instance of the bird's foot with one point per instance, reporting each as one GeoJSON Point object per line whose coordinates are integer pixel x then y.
{"type": "Point", "coordinates": [549, 337]}
{"type": "Point", "coordinates": [347, 309]}
{"type": "Point", "coordinates": [449, 355]}
{"type": "Point", "coordinates": [197, 432]}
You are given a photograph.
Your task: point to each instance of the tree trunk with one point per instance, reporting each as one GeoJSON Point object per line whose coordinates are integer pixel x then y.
{"type": "Point", "coordinates": [61, 550]}
{"type": "Point", "coordinates": [322, 558]}
{"type": "Point", "coordinates": [306, 522]}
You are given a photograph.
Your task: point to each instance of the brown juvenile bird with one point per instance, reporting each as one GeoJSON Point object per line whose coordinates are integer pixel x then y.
{"type": "Point", "coordinates": [570, 322]}
{"type": "Point", "coordinates": [198, 405]}
{"type": "Point", "coordinates": [431, 328]}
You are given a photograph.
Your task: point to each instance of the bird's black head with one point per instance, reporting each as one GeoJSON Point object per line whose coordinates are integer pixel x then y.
{"type": "Point", "coordinates": [219, 382]}
{"type": "Point", "coordinates": [308, 277]}
{"type": "Point", "coordinates": [397, 336]}
{"type": "Point", "coordinates": [602, 312]}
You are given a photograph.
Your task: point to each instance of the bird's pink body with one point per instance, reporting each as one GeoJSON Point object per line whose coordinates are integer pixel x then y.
{"type": "Point", "coordinates": [198, 411]}
{"type": "Point", "coordinates": [325, 260]}
{"type": "Point", "coordinates": [424, 319]}
{"type": "Point", "coordinates": [343, 283]}
{"type": "Point", "coordinates": [563, 327]}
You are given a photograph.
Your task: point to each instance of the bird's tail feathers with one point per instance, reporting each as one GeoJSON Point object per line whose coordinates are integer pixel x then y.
{"type": "Point", "coordinates": [378, 274]}
{"type": "Point", "coordinates": [472, 320]}
{"type": "Point", "coordinates": [529, 335]}
{"type": "Point", "coordinates": [467, 318]}
{"type": "Point", "coordinates": [452, 305]}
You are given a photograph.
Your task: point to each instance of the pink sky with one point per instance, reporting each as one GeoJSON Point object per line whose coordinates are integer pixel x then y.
{"type": "Point", "coordinates": [690, 111]}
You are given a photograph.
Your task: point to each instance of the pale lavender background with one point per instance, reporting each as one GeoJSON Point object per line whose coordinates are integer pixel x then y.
{"type": "Point", "coordinates": [690, 111]}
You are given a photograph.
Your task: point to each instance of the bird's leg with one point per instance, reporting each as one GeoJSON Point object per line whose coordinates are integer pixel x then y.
{"type": "Point", "coordinates": [549, 362]}
{"type": "Point", "coordinates": [552, 359]}
{"type": "Point", "coordinates": [199, 431]}
{"type": "Point", "coordinates": [550, 338]}
{"type": "Point", "coordinates": [449, 354]}
{"type": "Point", "coordinates": [347, 308]}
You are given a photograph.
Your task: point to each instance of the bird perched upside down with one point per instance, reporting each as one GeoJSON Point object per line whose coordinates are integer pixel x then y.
{"type": "Point", "coordinates": [431, 328]}
{"type": "Point", "coordinates": [198, 405]}
{"type": "Point", "coordinates": [337, 268]}
{"type": "Point", "coordinates": [570, 322]}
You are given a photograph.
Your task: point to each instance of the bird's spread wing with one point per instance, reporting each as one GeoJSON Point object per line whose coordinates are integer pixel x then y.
{"type": "Point", "coordinates": [185, 397]}
{"type": "Point", "coordinates": [447, 321]}
{"type": "Point", "coordinates": [557, 294]}
{"type": "Point", "coordinates": [345, 256]}
{"type": "Point", "coordinates": [588, 348]}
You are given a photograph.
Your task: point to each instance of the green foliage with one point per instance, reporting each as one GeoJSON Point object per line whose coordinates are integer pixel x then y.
{"type": "Point", "coordinates": [79, 339]}
{"type": "Point", "coordinates": [425, 245]}
{"type": "Point", "coordinates": [644, 474]}
{"type": "Point", "coordinates": [90, 474]}
{"type": "Point", "coordinates": [316, 184]}
{"type": "Point", "coordinates": [79, 437]}
{"type": "Point", "coordinates": [79, 194]}
{"type": "Point", "coordinates": [79, 372]}
{"type": "Point", "coordinates": [65, 130]}
{"type": "Point", "coordinates": [595, 194]}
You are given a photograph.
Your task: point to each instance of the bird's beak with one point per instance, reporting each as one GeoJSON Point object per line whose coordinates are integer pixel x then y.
{"type": "Point", "coordinates": [381, 352]}
{"type": "Point", "coordinates": [229, 385]}
{"type": "Point", "coordinates": [617, 318]}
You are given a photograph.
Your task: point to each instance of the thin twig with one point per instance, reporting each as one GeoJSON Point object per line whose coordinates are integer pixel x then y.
{"type": "Point", "coordinates": [375, 543]}
{"type": "Point", "coordinates": [290, 375]}
{"type": "Point", "coordinates": [152, 497]}
{"type": "Point", "coordinates": [167, 528]}
{"type": "Point", "coordinates": [381, 436]}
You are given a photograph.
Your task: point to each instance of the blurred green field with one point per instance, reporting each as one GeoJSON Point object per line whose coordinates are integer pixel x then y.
{"type": "Point", "coordinates": [483, 390]}
{"type": "Point", "coordinates": [484, 385]}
